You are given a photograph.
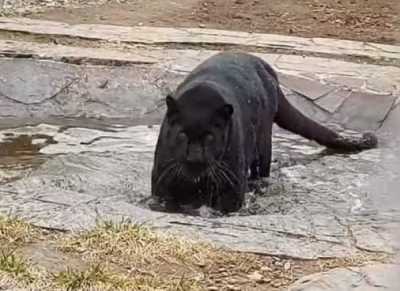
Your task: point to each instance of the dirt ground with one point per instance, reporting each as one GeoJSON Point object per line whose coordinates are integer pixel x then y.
{"type": "Point", "coordinates": [124, 256]}
{"type": "Point", "coordinates": [363, 20]}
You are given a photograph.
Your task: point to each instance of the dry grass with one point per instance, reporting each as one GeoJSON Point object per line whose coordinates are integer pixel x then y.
{"type": "Point", "coordinates": [125, 256]}
{"type": "Point", "coordinates": [15, 232]}
{"type": "Point", "coordinates": [98, 277]}
{"type": "Point", "coordinates": [15, 266]}
{"type": "Point", "coordinates": [162, 262]}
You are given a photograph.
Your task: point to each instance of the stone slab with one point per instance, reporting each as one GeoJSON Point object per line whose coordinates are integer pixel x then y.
{"type": "Point", "coordinates": [158, 35]}
{"type": "Point", "coordinates": [68, 90]}
{"type": "Point", "coordinates": [309, 210]}
{"type": "Point", "coordinates": [19, 87]}
{"type": "Point", "coordinates": [19, 49]}
{"type": "Point", "coordinates": [369, 278]}
{"type": "Point", "coordinates": [364, 110]}
{"type": "Point", "coordinates": [309, 88]}
{"type": "Point", "coordinates": [307, 107]}
{"type": "Point", "coordinates": [313, 200]}
{"type": "Point", "coordinates": [347, 82]}
{"type": "Point", "coordinates": [64, 90]}
{"type": "Point", "coordinates": [338, 73]}
{"type": "Point", "coordinates": [392, 121]}
{"type": "Point", "coordinates": [333, 100]}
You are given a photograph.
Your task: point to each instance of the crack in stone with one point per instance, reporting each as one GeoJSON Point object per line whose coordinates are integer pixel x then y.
{"type": "Point", "coordinates": [354, 240]}
{"type": "Point", "coordinates": [396, 103]}
{"type": "Point", "coordinates": [91, 100]}
{"type": "Point", "coordinates": [364, 277]}
{"type": "Point", "coordinates": [49, 228]}
{"type": "Point", "coordinates": [75, 60]}
{"type": "Point", "coordinates": [380, 49]}
{"type": "Point", "coordinates": [392, 107]}
{"type": "Point", "coordinates": [100, 138]}
{"type": "Point", "coordinates": [62, 89]}
{"type": "Point", "coordinates": [263, 230]}
{"type": "Point", "coordinates": [349, 231]}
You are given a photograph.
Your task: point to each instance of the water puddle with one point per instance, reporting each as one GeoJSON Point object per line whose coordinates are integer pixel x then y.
{"type": "Point", "coordinates": [115, 161]}
{"type": "Point", "coordinates": [69, 175]}
{"type": "Point", "coordinates": [20, 153]}
{"type": "Point", "coordinates": [64, 172]}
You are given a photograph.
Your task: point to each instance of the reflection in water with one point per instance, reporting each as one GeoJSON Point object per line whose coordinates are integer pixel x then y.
{"type": "Point", "coordinates": [21, 152]}
{"type": "Point", "coordinates": [115, 161]}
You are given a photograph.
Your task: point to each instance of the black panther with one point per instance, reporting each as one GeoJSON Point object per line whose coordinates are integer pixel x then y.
{"type": "Point", "coordinates": [216, 134]}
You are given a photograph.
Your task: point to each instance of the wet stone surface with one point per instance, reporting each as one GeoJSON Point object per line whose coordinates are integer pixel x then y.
{"type": "Point", "coordinates": [63, 91]}
{"type": "Point", "coordinates": [316, 204]}
{"type": "Point", "coordinates": [369, 278]}
{"type": "Point", "coordinates": [88, 155]}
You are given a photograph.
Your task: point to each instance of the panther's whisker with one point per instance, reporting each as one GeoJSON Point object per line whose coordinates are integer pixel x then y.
{"type": "Point", "coordinates": [164, 174]}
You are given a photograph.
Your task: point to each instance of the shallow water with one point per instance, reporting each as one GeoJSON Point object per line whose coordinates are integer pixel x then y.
{"type": "Point", "coordinates": [105, 157]}
{"type": "Point", "coordinates": [64, 172]}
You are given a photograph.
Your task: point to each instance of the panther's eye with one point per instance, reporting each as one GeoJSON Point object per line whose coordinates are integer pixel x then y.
{"type": "Point", "coordinates": [182, 137]}
{"type": "Point", "coordinates": [209, 138]}
{"type": "Point", "coordinates": [218, 125]}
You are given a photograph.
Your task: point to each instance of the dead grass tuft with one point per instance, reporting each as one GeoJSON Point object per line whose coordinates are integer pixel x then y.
{"type": "Point", "coordinates": [98, 277]}
{"type": "Point", "coordinates": [135, 245]}
{"type": "Point", "coordinates": [15, 266]}
{"type": "Point", "coordinates": [126, 256]}
{"type": "Point", "coordinates": [160, 260]}
{"type": "Point", "coordinates": [14, 231]}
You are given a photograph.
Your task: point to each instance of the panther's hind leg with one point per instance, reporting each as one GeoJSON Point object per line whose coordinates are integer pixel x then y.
{"type": "Point", "coordinates": [254, 169]}
{"type": "Point", "coordinates": [264, 144]}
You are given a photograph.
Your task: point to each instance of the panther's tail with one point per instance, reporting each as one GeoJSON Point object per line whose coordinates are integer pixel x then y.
{"type": "Point", "coordinates": [289, 118]}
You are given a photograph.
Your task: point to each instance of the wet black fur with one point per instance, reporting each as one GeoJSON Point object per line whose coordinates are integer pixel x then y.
{"type": "Point", "coordinates": [218, 129]}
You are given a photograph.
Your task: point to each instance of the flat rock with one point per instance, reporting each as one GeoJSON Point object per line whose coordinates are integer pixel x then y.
{"type": "Point", "coordinates": [307, 107]}
{"type": "Point", "coordinates": [19, 83]}
{"type": "Point", "coordinates": [329, 71]}
{"type": "Point", "coordinates": [306, 87]}
{"type": "Point", "coordinates": [332, 101]}
{"type": "Point", "coordinates": [353, 83]}
{"type": "Point", "coordinates": [162, 35]}
{"type": "Point", "coordinates": [306, 212]}
{"type": "Point", "coordinates": [67, 90]}
{"type": "Point", "coordinates": [364, 110]}
{"type": "Point", "coordinates": [368, 278]}
{"type": "Point", "coordinates": [392, 121]}
{"type": "Point", "coordinates": [90, 157]}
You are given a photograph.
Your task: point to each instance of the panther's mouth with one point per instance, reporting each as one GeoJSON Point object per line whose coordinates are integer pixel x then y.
{"type": "Point", "coordinates": [194, 172]}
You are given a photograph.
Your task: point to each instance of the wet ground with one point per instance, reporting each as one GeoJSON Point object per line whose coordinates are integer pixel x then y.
{"type": "Point", "coordinates": [77, 144]}
{"type": "Point", "coordinates": [79, 112]}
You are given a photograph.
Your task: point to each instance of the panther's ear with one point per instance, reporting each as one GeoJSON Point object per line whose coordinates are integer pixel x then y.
{"type": "Point", "coordinates": [225, 111]}
{"type": "Point", "coordinates": [172, 106]}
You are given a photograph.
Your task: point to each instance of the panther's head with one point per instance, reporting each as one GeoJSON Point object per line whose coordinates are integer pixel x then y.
{"type": "Point", "coordinates": [197, 132]}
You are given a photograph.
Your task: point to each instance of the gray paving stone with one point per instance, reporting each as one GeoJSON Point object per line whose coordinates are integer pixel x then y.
{"type": "Point", "coordinates": [392, 122]}
{"type": "Point", "coordinates": [19, 83]}
{"type": "Point", "coordinates": [369, 237]}
{"type": "Point", "coordinates": [307, 107]}
{"type": "Point", "coordinates": [381, 85]}
{"type": "Point", "coordinates": [313, 202]}
{"type": "Point", "coordinates": [368, 278]}
{"type": "Point", "coordinates": [348, 82]}
{"type": "Point", "coordinates": [306, 212]}
{"type": "Point", "coordinates": [91, 92]}
{"type": "Point", "coordinates": [65, 198]}
{"type": "Point", "coordinates": [333, 100]}
{"type": "Point", "coordinates": [363, 111]}
{"type": "Point", "coordinates": [162, 35]}
{"type": "Point", "coordinates": [308, 88]}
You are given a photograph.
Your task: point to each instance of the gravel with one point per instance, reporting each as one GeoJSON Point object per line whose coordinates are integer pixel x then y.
{"type": "Point", "coordinates": [26, 7]}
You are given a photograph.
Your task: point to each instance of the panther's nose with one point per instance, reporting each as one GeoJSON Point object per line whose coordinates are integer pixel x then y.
{"type": "Point", "coordinates": [195, 155]}
{"type": "Point", "coordinates": [195, 159]}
